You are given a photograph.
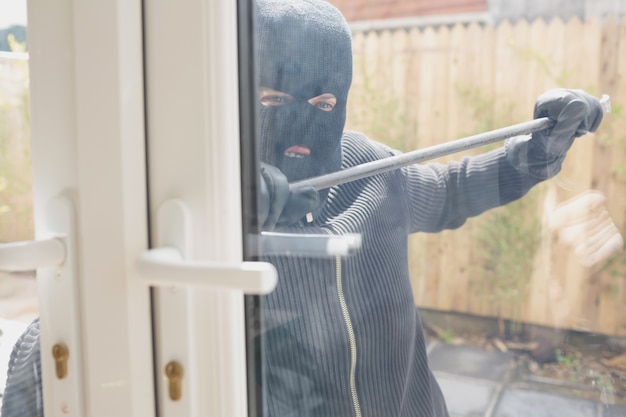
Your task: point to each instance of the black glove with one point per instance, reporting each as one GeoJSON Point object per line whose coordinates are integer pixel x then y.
{"type": "Point", "coordinates": [278, 205]}
{"type": "Point", "coordinates": [574, 112]}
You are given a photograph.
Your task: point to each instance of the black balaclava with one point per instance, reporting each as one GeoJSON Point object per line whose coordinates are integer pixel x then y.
{"type": "Point", "coordinates": [305, 50]}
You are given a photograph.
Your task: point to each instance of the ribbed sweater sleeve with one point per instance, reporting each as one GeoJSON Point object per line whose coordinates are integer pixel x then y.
{"type": "Point", "coordinates": [23, 394]}
{"type": "Point", "coordinates": [444, 196]}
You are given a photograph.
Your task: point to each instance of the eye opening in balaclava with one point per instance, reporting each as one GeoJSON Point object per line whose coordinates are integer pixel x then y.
{"type": "Point", "coordinates": [304, 50]}
{"type": "Point", "coordinates": [272, 98]}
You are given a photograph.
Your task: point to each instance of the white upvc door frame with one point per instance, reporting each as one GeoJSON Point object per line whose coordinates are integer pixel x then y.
{"type": "Point", "coordinates": [194, 164]}
{"type": "Point", "coordinates": [91, 96]}
{"type": "Point", "coordinates": [87, 106]}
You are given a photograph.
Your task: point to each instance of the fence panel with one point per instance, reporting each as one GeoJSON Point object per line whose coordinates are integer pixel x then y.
{"type": "Point", "coordinates": [418, 87]}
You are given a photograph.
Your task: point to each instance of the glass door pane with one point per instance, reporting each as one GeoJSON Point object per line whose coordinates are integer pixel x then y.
{"type": "Point", "coordinates": [18, 289]}
{"type": "Point", "coordinates": [482, 282]}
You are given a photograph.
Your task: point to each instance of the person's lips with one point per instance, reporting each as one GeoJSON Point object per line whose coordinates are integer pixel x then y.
{"type": "Point", "coordinates": [297, 151]}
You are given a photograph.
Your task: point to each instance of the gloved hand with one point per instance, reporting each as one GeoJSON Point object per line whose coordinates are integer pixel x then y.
{"type": "Point", "coordinates": [575, 113]}
{"type": "Point", "coordinates": [278, 205]}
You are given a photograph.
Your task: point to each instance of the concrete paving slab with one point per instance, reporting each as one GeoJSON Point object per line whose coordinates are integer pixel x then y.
{"type": "Point", "coordinates": [614, 411]}
{"type": "Point", "coordinates": [522, 403]}
{"type": "Point", "coordinates": [466, 398]}
{"type": "Point", "coordinates": [470, 361]}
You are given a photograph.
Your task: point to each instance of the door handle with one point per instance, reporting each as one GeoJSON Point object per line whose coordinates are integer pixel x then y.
{"type": "Point", "coordinates": [312, 245]}
{"type": "Point", "coordinates": [166, 266]}
{"type": "Point", "coordinates": [30, 255]}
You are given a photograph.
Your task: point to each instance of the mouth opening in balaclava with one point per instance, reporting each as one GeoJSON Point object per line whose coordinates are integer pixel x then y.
{"type": "Point", "coordinates": [304, 50]}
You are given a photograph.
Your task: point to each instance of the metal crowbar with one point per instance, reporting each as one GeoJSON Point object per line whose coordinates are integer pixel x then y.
{"type": "Point", "coordinates": [394, 162]}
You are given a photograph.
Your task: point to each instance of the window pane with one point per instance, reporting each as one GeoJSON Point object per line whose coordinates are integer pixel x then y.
{"type": "Point", "coordinates": [18, 290]}
{"type": "Point", "coordinates": [483, 282]}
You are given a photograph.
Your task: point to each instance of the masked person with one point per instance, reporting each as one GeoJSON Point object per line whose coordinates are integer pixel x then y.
{"type": "Point", "coordinates": [342, 336]}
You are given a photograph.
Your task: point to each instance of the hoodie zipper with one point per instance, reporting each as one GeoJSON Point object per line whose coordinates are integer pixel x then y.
{"type": "Point", "coordinates": [350, 329]}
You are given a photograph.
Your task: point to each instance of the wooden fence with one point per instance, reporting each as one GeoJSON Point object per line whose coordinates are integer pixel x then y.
{"type": "Point", "coordinates": [422, 86]}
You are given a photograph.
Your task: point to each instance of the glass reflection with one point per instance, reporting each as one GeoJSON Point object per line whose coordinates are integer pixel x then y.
{"type": "Point", "coordinates": [422, 319]}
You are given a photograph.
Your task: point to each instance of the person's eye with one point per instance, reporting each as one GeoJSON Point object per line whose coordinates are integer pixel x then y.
{"type": "Point", "coordinates": [273, 98]}
{"type": "Point", "coordinates": [325, 106]}
{"type": "Point", "coordinates": [324, 102]}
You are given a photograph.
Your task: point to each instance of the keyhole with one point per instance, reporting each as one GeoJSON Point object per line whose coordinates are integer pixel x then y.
{"type": "Point", "coordinates": [174, 373]}
{"type": "Point", "coordinates": [60, 353]}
